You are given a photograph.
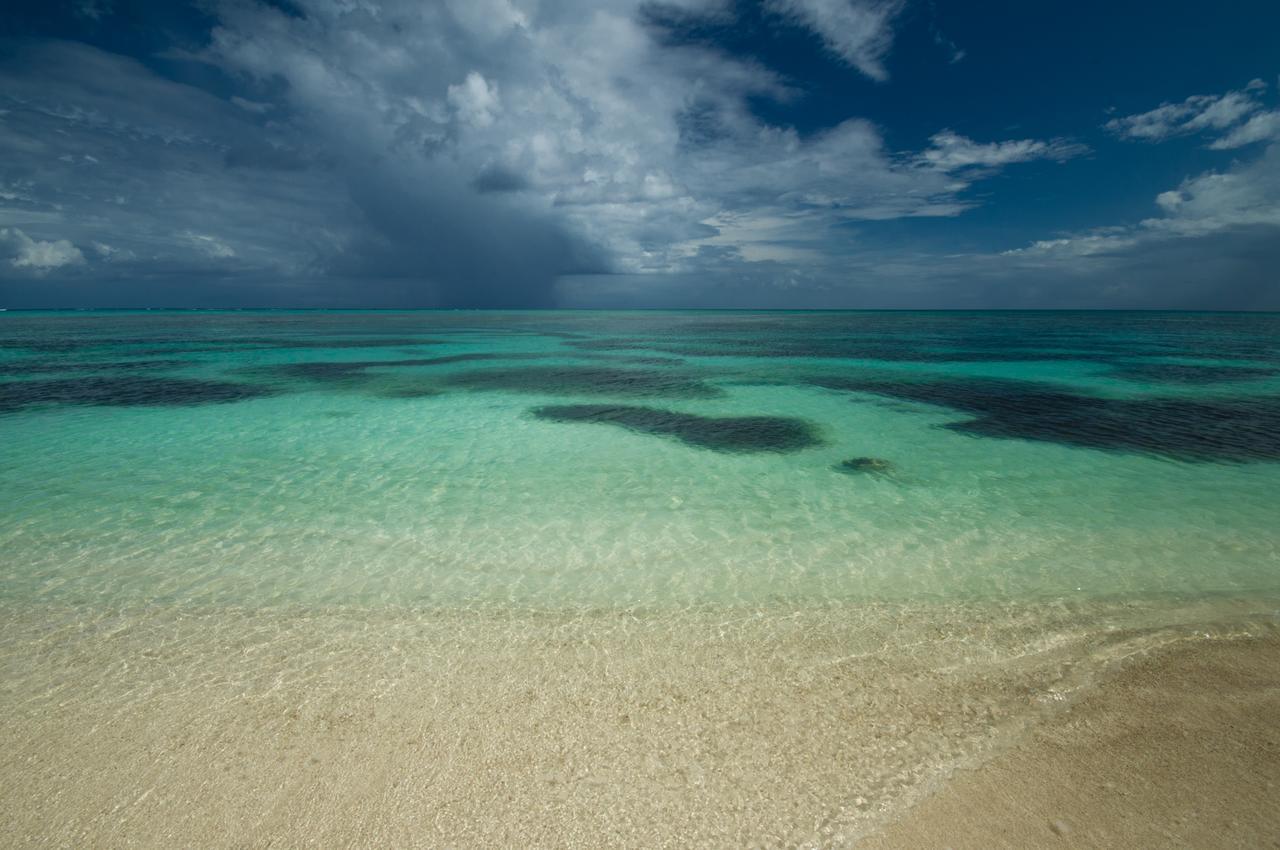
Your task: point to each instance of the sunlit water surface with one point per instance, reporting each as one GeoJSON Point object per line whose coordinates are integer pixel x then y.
{"type": "Point", "coordinates": [267, 458]}
{"type": "Point", "coordinates": [741, 573]}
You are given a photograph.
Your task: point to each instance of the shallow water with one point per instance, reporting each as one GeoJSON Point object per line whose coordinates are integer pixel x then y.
{"type": "Point", "coordinates": [625, 459]}
{"type": "Point", "coordinates": [729, 554]}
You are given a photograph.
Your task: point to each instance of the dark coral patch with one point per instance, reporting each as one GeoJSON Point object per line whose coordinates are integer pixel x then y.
{"type": "Point", "coordinates": [1187, 373]}
{"type": "Point", "coordinates": [864, 465]}
{"type": "Point", "coordinates": [612, 343]}
{"type": "Point", "coordinates": [736, 434]}
{"type": "Point", "coordinates": [368, 342]}
{"type": "Point", "coordinates": [585, 380]}
{"type": "Point", "coordinates": [125, 391]}
{"type": "Point", "coordinates": [636, 360]}
{"type": "Point", "coordinates": [45, 367]}
{"type": "Point", "coordinates": [951, 338]}
{"type": "Point", "coordinates": [151, 345]}
{"type": "Point", "coordinates": [790, 348]}
{"type": "Point", "coordinates": [336, 371]}
{"type": "Point", "coordinates": [340, 371]}
{"type": "Point", "coordinates": [477, 357]}
{"type": "Point", "coordinates": [1241, 428]}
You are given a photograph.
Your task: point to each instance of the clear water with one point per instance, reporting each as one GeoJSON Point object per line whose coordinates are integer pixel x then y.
{"type": "Point", "coordinates": [230, 458]}
{"type": "Point", "coordinates": [529, 579]}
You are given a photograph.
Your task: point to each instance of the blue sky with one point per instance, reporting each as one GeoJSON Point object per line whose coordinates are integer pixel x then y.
{"type": "Point", "coordinates": [616, 153]}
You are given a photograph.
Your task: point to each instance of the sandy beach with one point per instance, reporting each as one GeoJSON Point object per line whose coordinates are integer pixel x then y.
{"type": "Point", "coordinates": [813, 728]}
{"type": "Point", "coordinates": [1180, 748]}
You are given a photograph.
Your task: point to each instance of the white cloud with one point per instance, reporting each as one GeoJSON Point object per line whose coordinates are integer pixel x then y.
{"type": "Point", "coordinates": [490, 20]}
{"type": "Point", "coordinates": [949, 151]}
{"type": "Point", "coordinates": [37, 256]}
{"type": "Point", "coordinates": [251, 105]}
{"type": "Point", "coordinates": [648, 152]}
{"type": "Point", "coordinates": [957, 53]}
{"type": "Point", "coordinates": [1247, 196]}
{"type": "Point", "coordinates": [1261, 127]}
{"type": "Point", "coordinates": [1205, 113]}
{"type": "Point", "coordinates": [110, 253]}
{"type": "Point", "coordinates": [467, 141]}
{"type": "Point", "coordinates": [211, 246]}
{"type": "Point", "coordinates": [475, 99]}
{"type": "Point", "coordinates": [1103, 241]}
{"type": "Point", "coordinates": [19, 191]}
{"type": "Point", "coordinates": [858, 31]}
{"type": "Point", "coordinates": [94, 10]}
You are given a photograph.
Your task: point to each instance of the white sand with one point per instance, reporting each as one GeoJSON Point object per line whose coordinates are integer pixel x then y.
{"type": "Point", "coordinates": [1177, 749]}
{"type": "Point", "coordinates": [718, 728]}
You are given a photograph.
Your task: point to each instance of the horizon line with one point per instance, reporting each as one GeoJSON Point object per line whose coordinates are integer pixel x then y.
{"type": "Point", "coordinates": [299, 309]}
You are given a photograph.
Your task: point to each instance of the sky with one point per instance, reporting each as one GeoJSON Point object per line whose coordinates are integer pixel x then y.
{"type": "Point", "coordinates": [633, 153]}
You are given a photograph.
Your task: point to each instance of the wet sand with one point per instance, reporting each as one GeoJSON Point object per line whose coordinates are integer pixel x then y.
{"type": "Point", "coordinates": [815, 727]}
{"type": "Point", "coordinates": [1177, 749]}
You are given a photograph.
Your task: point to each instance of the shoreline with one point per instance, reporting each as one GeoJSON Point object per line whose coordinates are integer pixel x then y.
{"type": "Point", "coordinates": [806, 727]}
{"type": "Point", "coordinates": [1177, 748]}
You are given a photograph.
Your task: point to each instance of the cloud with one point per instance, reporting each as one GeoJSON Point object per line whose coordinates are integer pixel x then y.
{"type": "Point", "coordinates": [1202, 114]}
{"type": "Point", "coordinates": [110, 253]}
{"type": "Point", "coordinates": [94, 10]}
{"type": "Point", "coordinates": [36, 256]}
{"type": "Point", "coordinates": [171, 160]}
{"type": "Point", "coordinates": [1215, 243]}
{"type": "Point", "coordinates": [250, 105]}
{"type": "Point", "coordinates": [1212, 242]}
{"type": "Point", "coordinates": [570, 113]}
{"type": "Point", "coordinates": [17, 192]}
{"type": "Point", "coordinates": [461, 153]}
{"type": "Point", "coordinates": [858, 31]}
{"type": "Point", "coordinates": [957, 53]}
{"type": "Point", "coordinates": [211, 246]}
{"type": "Point", "coordinates": [1246, 196]}
{"type": "Point", "coordinates": [949, 151]}
{"type": "Point", "coordinates": [1260, 127]}
{"type": "Point", "coordinates": [1249, 194]}
{"type": "Point", "coordinates": [475, 99]}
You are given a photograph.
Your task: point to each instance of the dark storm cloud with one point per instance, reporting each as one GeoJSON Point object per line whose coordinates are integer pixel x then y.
{"type": "Point", "coordinates": [130, 170]}
{"type": "Point", "coordinates": [475, 250]}
{"type": "Point", "coordinates": [576, 152]}
{"type": "Point", "coordinates": [498, 179]}
{"type": "Point", "coordinates": [123, 188]}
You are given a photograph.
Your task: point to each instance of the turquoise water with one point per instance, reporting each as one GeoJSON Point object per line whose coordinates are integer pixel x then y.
{"type": "Point", "coordinates": [571, 459]}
